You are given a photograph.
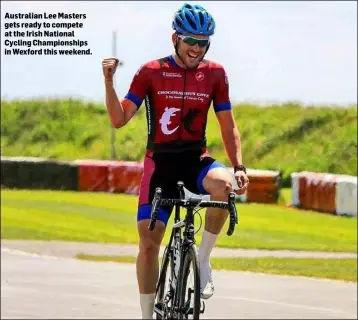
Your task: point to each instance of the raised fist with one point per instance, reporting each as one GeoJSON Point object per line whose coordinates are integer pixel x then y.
{"type": "Point", "coordinates": [109, 67]}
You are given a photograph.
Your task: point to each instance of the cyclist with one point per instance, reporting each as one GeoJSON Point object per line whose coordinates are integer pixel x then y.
{"type": "Point", "coordinates": [178, 90]}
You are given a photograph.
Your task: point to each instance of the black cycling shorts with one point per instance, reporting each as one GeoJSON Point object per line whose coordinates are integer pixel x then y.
{"type": "Point", "coordinates": [164, 170]}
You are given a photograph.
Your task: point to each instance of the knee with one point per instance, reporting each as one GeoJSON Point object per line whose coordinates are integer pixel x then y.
{"type": "Point", "coordinates": [221, 188]}
{"type": "Point", "coordinates": [148, 248]}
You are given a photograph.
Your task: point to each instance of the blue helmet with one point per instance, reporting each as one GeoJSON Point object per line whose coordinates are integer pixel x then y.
{"type": "Point", "coordinates": [193, 19]}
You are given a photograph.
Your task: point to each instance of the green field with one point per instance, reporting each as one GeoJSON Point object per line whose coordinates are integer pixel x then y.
{"type": "Point", "coordinates": [286, 137]}
{"type": "Point", "coordinates": [104, 217]}
{"type": "Point", "coordinates": [336, 269]}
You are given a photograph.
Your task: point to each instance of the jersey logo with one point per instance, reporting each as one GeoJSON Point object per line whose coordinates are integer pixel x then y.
{"type": "Point", "coordinates": [165, 120]}
{"type": "Point", "coordinates": [189, 119]}
{"type": "Point", "coordinates": [199, 76]}
{"type": "Point", "coordinates": [172, 75]}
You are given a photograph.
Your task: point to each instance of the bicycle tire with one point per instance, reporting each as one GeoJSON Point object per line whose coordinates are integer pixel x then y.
{"type": "Point", "coordinates": [191, 257]}
{"type": "Point", "coordinates": [162, 280]}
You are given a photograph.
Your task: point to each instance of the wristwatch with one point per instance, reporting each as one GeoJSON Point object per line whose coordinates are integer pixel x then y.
{"type": "Point", "coordinates": [240, 167]}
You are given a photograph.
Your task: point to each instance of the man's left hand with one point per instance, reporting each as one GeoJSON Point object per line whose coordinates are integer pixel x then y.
{"type": "Point", "coordinates": [242, 182]}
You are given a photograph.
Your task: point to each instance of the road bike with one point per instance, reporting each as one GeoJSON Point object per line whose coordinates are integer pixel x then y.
{"type": "Point", "coordinates": [175, 299]}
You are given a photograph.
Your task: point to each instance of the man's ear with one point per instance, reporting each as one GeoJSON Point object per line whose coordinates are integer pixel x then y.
{"type": "Point", "coordinates": [174, 38]}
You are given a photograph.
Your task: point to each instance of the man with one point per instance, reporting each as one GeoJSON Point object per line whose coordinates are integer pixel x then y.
{"type": "Point", "coordinates": [178, 91]}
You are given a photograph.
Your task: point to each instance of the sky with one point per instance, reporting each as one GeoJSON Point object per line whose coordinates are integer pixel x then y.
{"type": "Point", "coordinates": [272, 51]}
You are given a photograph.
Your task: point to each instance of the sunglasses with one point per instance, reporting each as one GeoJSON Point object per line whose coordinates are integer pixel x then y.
{"type": "Point", "coordinates": [191, 41]}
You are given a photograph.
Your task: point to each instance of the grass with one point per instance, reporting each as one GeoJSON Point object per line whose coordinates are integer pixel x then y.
{"type": "Point", "coordinates": [111, 218]}
{"type": "Point", "coordinates": [288, 137]}
{"type": "Point", "coordinates": [337, 269]}
{"type": "Point", "coordinates": [285, 197]}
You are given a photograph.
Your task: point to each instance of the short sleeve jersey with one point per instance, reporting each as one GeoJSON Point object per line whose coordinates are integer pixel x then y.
{"type": "Point", "coordinates": [177, 102]}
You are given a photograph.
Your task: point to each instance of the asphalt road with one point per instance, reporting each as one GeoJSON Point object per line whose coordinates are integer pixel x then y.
{"type": "Point", "coordinates": [41, 287]}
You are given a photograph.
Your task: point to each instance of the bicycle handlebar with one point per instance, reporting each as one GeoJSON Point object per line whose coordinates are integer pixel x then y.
{"type": "Point", "coordinates": [194, 202]}
{"type": "Point", "coordinates": [155, 208]}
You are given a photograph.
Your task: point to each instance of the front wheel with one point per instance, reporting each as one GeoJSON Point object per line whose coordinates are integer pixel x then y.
{"type": "Point", "coordinates": [189, 300]}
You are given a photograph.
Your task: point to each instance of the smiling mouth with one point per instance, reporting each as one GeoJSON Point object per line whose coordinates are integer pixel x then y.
{"type": "Point", "coordinates": [193, 56]}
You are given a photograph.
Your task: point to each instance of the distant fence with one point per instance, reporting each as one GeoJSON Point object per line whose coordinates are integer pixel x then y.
{"type": "Point", "coordinates": [325, 192]}
{"type": "Point", "coordinates": [264, 186]}
{"type": "Point", "coordinates": [110, 176]}
{"type": "Point", "coordinates": [322, 192]}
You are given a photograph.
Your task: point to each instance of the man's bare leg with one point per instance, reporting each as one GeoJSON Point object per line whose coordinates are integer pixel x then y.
{"type": "Point", "coordinates": [148, 265]}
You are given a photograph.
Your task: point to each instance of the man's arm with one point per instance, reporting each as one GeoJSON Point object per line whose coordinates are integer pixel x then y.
{"type": "Point", "coordinates": [120, 111]}
{"type": "Point", "coordinates": [231, 136]}
{"type": "Point", "coordinates": [223, 111]}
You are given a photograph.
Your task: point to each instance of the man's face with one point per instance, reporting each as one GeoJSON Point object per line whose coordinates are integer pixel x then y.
{"type": "Point", "coordinates": [191, 54]}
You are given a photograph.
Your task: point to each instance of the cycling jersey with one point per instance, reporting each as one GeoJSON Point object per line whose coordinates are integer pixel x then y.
{"type": "Point", "coordinates": [177, 102]}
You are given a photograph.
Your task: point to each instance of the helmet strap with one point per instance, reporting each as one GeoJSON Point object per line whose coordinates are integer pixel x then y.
{"type": "Point", "coordinates": [207, 49]}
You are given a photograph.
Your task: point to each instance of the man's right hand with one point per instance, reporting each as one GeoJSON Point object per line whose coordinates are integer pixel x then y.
{"type": "Point", "coordinates": [109, 66]}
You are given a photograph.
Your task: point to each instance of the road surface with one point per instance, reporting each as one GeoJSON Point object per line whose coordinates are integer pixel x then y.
{"type": "Point", "coordinates": [42, 287]}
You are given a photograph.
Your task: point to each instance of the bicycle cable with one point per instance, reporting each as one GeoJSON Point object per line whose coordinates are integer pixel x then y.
{"type": "Point", "coordinates": [196, 211]}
